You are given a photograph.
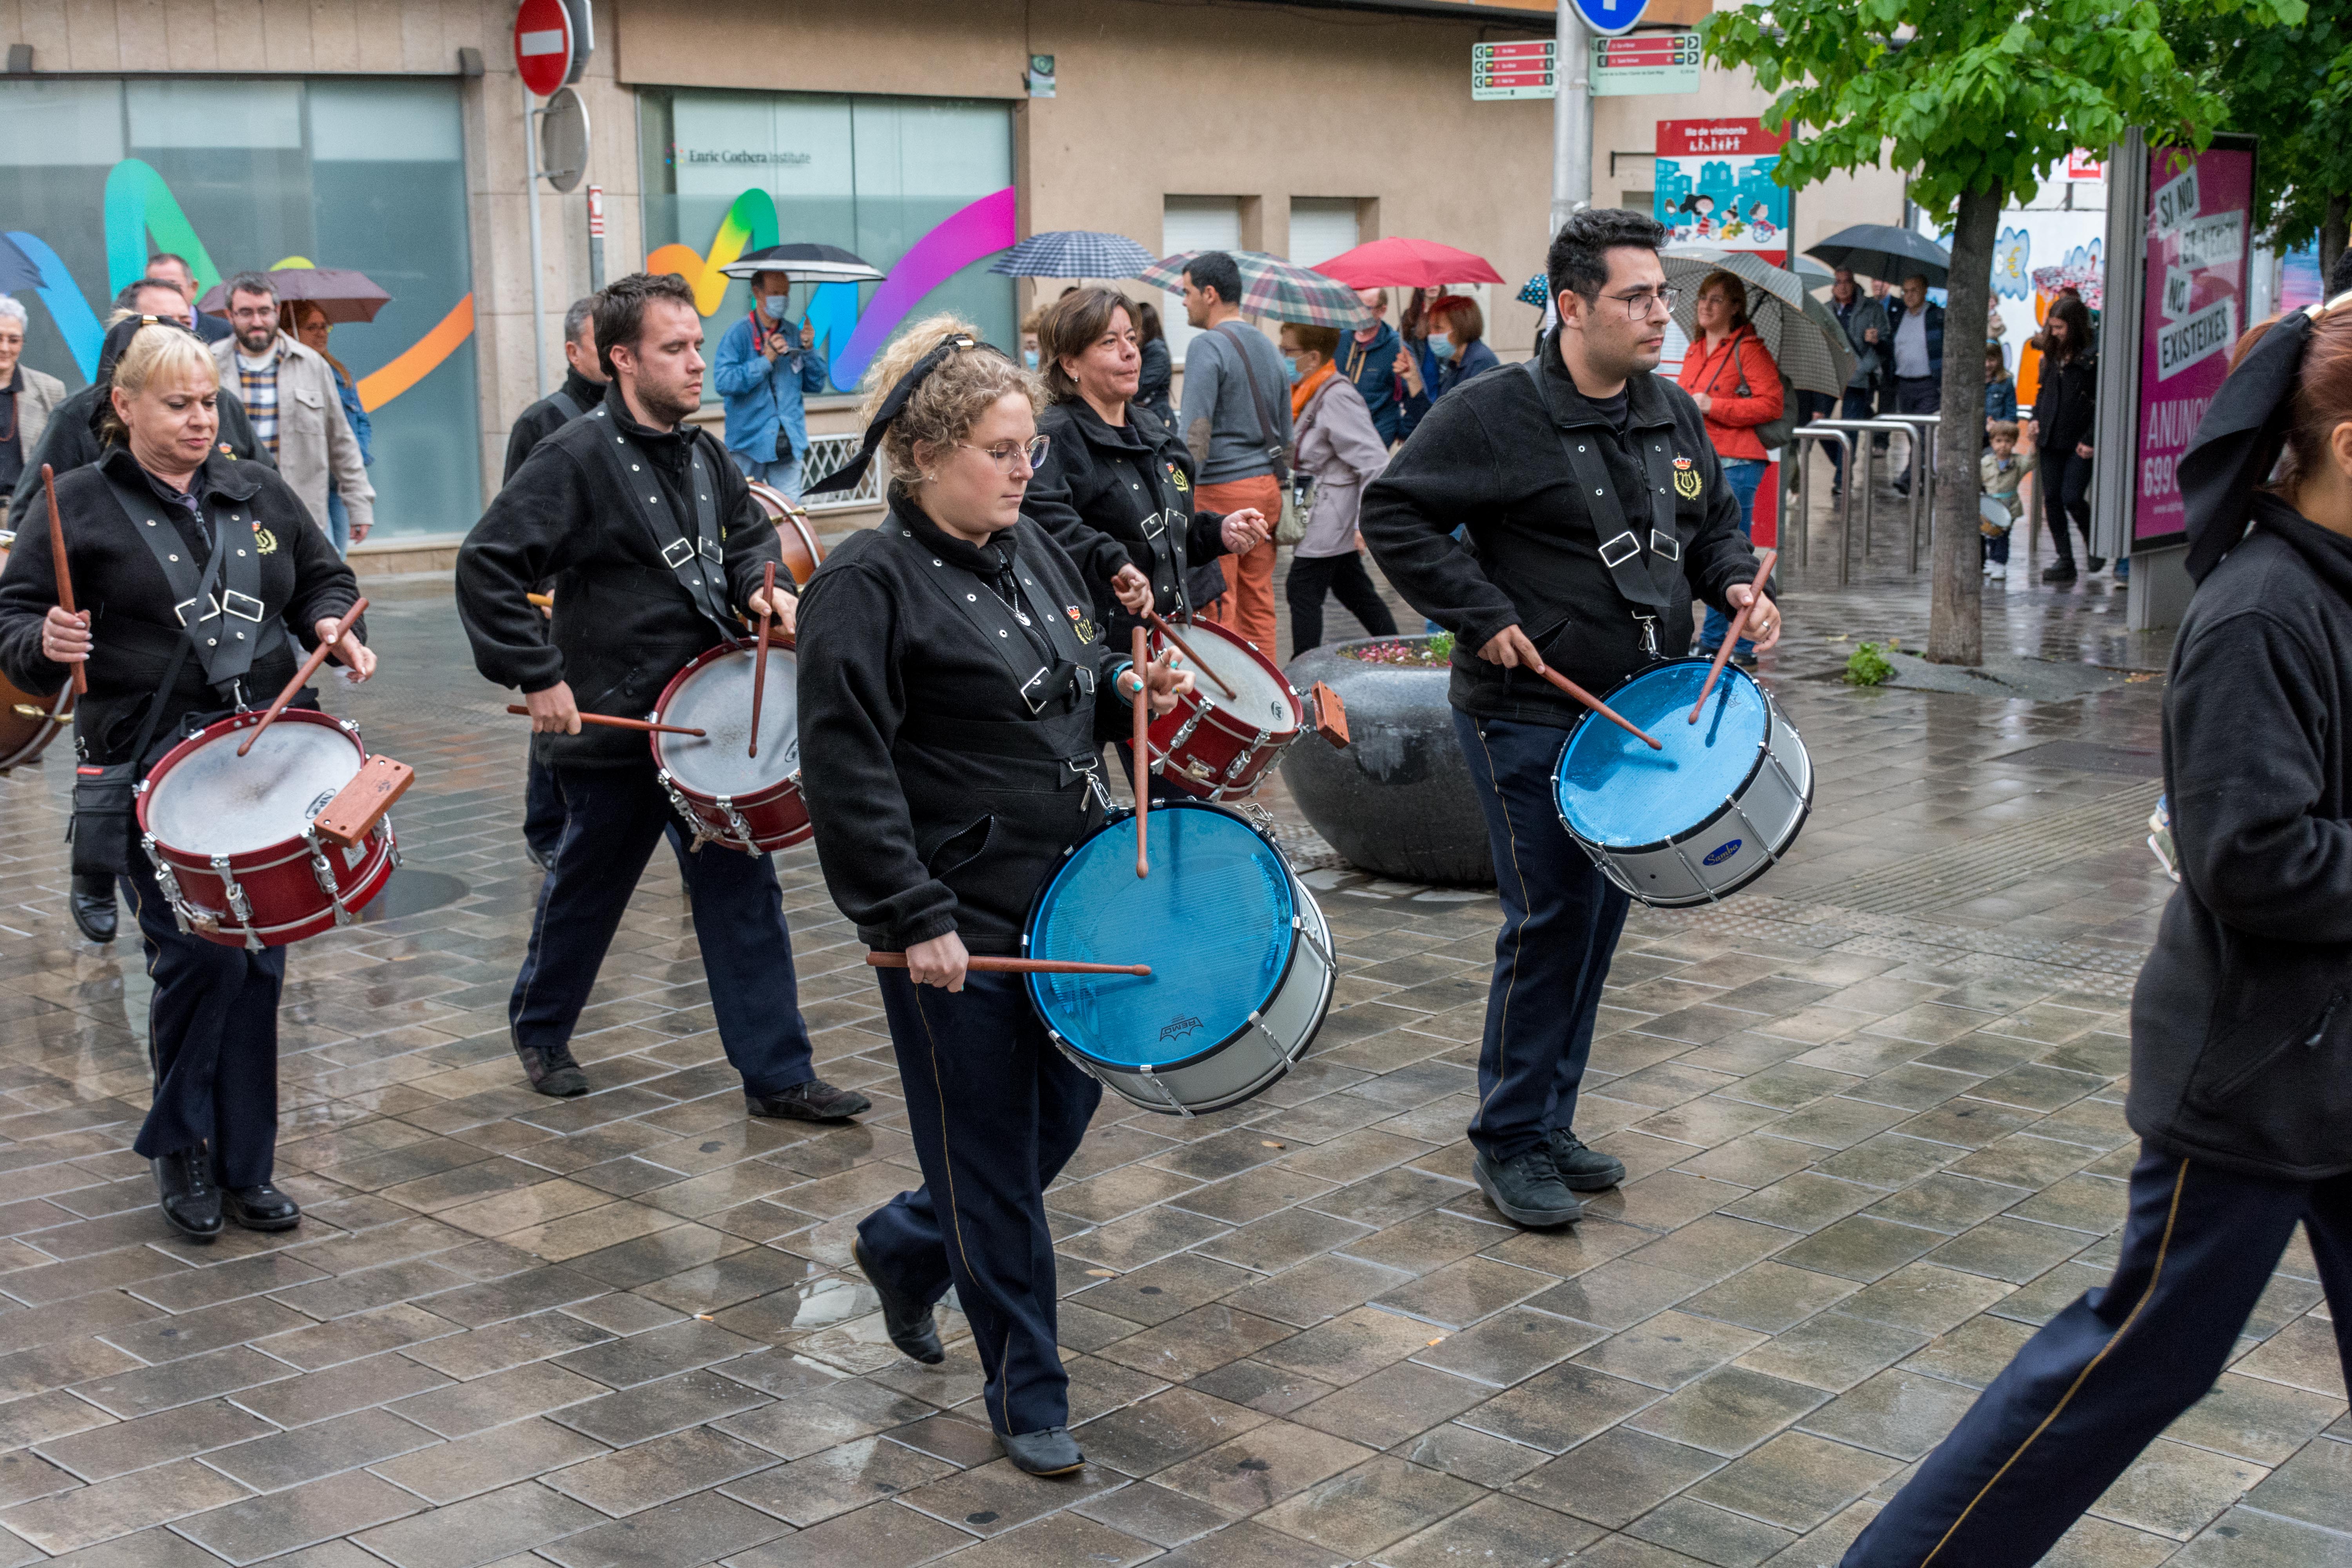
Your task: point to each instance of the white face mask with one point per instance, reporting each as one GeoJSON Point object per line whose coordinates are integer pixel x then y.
{"type": "Point", "coordinates": [774, 305]}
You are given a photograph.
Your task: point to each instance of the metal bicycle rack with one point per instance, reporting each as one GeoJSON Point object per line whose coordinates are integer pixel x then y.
{"type": "Point", "coordinates": [1862, 455]}
{"type": "Point", "coordinates": [1806, 439]}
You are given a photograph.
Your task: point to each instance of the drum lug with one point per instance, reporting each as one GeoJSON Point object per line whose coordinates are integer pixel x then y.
{"type": "Point", "coordinates": [740, 828]}
{"type": "Point", "coordinates": [1174, 1104]}
{"type": "Point", "coordinates": [325, 873]}
{"type": "Point", "coordinates": [1242, 758]}
{"type": "Point", "coordinates": [239, 904]}
{"type": "Point", "coordinates": [694, 824]}
{"type": "Point", "coordinates": [181, 915]}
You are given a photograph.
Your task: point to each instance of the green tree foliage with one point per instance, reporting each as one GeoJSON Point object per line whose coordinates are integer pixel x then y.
{"type": "Point", "coordinates": [1978, 99]}
{"type": "Point", "coordinates": [2290, 86]}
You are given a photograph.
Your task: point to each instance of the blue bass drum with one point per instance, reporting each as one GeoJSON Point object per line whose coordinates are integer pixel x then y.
{"type": "Point", "coordinates": [1240, 961]}
{"type": "Point", "coordinates": [1705, 816]}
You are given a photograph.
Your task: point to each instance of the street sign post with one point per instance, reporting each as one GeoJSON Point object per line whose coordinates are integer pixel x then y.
{"type": "Point", "coordinates": [542, 40]}
{"type": "Point", "coordinates": [1611, 17]}
{"type": "Point", "coordinates": [1653, 63]}
{"type": "Point", "coordinates": [563, 141]}
{"type": "Point", "coordinates": [1520, 69]}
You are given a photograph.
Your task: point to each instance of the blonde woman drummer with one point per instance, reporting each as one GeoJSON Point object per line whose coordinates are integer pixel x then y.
{"type": "Point", "coordinates": [146, 527]}
{"type": "Point", "coordinates": [955, 684]}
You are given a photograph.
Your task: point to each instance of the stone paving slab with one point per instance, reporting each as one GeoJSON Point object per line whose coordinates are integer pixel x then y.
{"type": "Point", "coordinates": [1871, 1112]}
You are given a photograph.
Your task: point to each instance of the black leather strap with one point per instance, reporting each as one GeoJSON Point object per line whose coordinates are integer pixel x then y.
{"type": "Point", "coordinates": [1646, 569]}
{"type": "Point", "coordinates": [697, 560]}
{"type": "Point", "coordinates": [221, 613]}
{"type": "Point", "coordinates": [1070, 676]}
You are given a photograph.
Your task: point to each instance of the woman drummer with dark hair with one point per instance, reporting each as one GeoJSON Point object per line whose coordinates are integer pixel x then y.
{"type": "Point", "coordinates": [203, 576]}
{"type": "Point", "coordinates": [955, 689]}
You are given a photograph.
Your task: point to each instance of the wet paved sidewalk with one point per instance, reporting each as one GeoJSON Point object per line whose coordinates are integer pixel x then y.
{"type": "Point", "coordinates": [1871, 1112]}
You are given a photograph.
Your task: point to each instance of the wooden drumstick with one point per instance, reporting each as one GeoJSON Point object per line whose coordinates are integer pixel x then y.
{"type": "Point", "coordinates": [1019, 965]}
{"type": "Point", "coordinates": [610, 721]}
{"type": "Point", "coordinates": [1590, 701]}
{"type": "Point", "coordinates": [759, 669]}
{"type": "Point", "coordinates": [302, 676]}
{"type": "Point", "coordinates": [1165, 630]}
{"type": "Point", "coordinates": [64, 575]}
{"type": "Point", "coordinates": [1731, 637]}
{"type": "Point", "coordinates": [1142, 651]}
{"type": "Point", "coordinates": [540, 601]}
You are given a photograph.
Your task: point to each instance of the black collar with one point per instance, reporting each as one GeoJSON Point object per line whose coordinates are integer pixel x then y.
{"type": "Point", "coordinates": [1646, 403]}
{"type": "Point", "coordinates": [2329, 553]}
{"type": "Point", "coordinates": [220, 477]}
{"type": "Point", "coordinates": [667, 448]}
{"type": "Point", "coordinates": [587, 393]}
{"type": "Point", "coordinates": [991, 560]}
{"type": "Point", "coordinates": [1101, 432]}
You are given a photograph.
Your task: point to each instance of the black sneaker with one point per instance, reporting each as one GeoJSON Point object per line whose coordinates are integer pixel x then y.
{"type": "Point", "coordinates": [815, 1100]}
{"type": "Point", "coordinates": [1527, 1190]}
{"type": "Point", "coordinates": [1582, 1169]}
{"type": "Point", "coordinates": [2062, 573]}
{"type": "Point", "coordinates": [553, 1072]}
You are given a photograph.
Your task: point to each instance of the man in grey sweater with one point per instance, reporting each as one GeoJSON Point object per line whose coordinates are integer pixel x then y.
{"type": "Point", "coordinates": [1237, 433]}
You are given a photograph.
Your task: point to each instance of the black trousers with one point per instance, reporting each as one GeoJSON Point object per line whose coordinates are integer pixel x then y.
{"type": "Point", "coordinates": [995, 1112]}
{"type": "Point", "coordinates": [212, 1040]}
{"type": "Point", "coordinates": [613, 817]}
{"type": "Point", "coordinates": [2105, 1376]}
{"type": "Point", "coordinates": [1312, 576]}
{"type": "Point", "coordinates": [2066, 493]}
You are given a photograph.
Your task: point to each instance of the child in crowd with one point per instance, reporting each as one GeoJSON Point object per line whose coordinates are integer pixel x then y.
{"type": "Point", "coordinates": [2002, 469]}
{"type": "Point", "coordinates": [2001, 392]}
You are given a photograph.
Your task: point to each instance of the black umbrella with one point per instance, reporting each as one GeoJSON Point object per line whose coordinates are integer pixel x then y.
{"type": "Point", "coordinates": [16, 269]}
{"type": "Point", "coordinates": [806, 263]}
{"type": "Point", "coordinates": [1883, 251]}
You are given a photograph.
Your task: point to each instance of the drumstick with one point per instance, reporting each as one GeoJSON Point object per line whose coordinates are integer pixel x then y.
{"type": "Point", "coordinates": [1590, 701]}
{"type": "Point", "coordinates": [1165, 630]}
{"type": "Point", "coordinates": [1019, 965]}
{"type": "Point", "coordinates": [302, 676]}
{"type": "Point", "coordinates": [1142, 752]}
{"type": "Point", "coordinates": [759, 670]}
{"type": "Point", "coordinates": [58, 561]}
{"type": "Point", "coordinates": [638, 724]}
{"type": "Point", "coordinates": [541, 601]}
{"type": "Point", "coordinates": [1731, 637]}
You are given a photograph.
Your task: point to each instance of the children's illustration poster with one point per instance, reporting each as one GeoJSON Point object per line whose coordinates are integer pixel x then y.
{"type": "Point", "coordinates": [1715, 185]}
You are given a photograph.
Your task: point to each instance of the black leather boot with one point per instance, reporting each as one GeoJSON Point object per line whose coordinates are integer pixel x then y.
{"type": "Point", "coordinates": [260, 1208]}
{"type": "Point", "coordinates": [909, 1324]}
{"type": "Point", "coordinates": [184, 1182]}
{"type": "Point", "coordinates": [93, 906]}
{"type": "Point", "coordinates": [553, 1072]}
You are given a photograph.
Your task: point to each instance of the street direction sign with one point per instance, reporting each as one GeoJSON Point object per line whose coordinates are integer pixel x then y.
{"type": "Point", "coordinates": [1611, 17]}
{"type": "Point", "coordinates": [1520, 69]}
{"type": "Point", "coordinates": [542, 40]}
{"type": "Point", "coordinates": [1647, 63]}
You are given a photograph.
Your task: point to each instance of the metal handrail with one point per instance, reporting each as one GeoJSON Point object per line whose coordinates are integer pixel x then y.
{"type": "Point", "coordinates": [1808, 437]}
{"type": "Point", "coordinates": [1924, 428]}
{"type": "Point", "coordinates": [1864, 454]}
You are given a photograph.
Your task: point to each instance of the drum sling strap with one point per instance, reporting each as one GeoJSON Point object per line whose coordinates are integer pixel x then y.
{"type": "Point", "coordinates": [564, 405]}
{"type": "Point", "coordinates": [1646, 572]}
{"type": "Point", "coordinates": [698, 562]}
{"type": "Point", "coordinates": [225, 623]}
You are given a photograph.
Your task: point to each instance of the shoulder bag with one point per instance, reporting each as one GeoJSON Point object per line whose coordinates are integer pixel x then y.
{"type": "Point", "coordinates": [1292, 526]}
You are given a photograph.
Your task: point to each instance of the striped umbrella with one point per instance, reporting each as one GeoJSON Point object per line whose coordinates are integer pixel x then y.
{"type": "Point", "coordinates": [1074, 253]}
{"type": "Point", "coordinates": [1796, 328]}
{"type": "Point", "coordinates": [1274, 288]}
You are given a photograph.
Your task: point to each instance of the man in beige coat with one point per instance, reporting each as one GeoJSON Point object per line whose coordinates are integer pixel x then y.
{"type": "Point", "coordinates": [28, 397]}
{"type": "Point", "coordinates": [290, 394]}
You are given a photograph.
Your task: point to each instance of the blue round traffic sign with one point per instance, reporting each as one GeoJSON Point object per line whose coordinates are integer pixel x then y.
{"type": "Point", "coordinates": [1611, 17]}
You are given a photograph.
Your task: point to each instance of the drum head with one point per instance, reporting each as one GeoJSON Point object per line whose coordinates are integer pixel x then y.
{"type": "Point", "coordinates": [1262, 699]}
{"type": "Point", "coordinates": [1213, 921]}
{"type": "Point", "coordinates": [213, 802]}
{"type": "Point", "coordinates": [717, 699]}
{"type": "Point", "coordinates": [1616, 793]}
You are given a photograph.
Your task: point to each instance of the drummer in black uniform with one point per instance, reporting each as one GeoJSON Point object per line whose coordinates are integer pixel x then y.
{"type": "Point", "coordinates": [654, 543]}
{"type": "Point", "coordinates": [164, 519]}
{"type": "Point", "coordinates": [955, 689]}
{"type": "Point", "coordinates": [1597, 512]}
{"type": "Point", "coordinates": [1116, 487]}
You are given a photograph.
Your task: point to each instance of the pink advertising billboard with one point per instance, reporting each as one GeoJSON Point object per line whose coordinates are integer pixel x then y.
{"type": "Point", "coordinates": [2198, 237]}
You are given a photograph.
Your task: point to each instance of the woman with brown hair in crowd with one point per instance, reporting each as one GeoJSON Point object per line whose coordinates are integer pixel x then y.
{"type": "Point", "coordinates": [1732, 377]}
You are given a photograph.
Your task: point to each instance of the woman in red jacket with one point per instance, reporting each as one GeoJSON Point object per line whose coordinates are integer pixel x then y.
{"type": "Point", "coordinates": [1731, 377]}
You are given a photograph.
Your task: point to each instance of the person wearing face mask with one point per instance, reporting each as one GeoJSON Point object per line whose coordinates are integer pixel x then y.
{"type": "Point", "coordinates": [959, 696]}
{"type": "Point", "coordinates": [1368, 358]}
{"type": "Point", "coordinates": [764, 367]}
{"type": "Point", "coordinates": [1453, 352]}
{"type": "Point", "coordinates": [1336, 444]}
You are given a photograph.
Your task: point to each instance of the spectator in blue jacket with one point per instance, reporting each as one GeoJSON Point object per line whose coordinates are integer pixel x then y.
{"type": "Point", "coordinates": [764, 368]}
{"type": "Point", "coordinates": [1453, 352]}
{"type": "Point", "coordinates": [310, 327]}
{"type": "Point", "coordinates": [1368, 359]}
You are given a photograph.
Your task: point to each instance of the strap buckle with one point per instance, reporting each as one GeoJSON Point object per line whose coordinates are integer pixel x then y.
{"type": "Point", "coordinates": [677, 553]}
{"type": "Point", "coordinates": [1036, 702]}
{"type": "Point", "coordinates": [181, 609]}
{"type": "Point", "coordinates": [1666, 544]}
{"type": "Point", "coordinates": [1626, 547]}
{"type": "Point", "coordinates": [708, 550]}
{"type": "Point", "coordinates": [229, 604]}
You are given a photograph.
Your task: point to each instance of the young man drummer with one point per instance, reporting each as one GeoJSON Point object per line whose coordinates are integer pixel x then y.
{"type": "Point", "coordinates": [1597, 512]}
{"type": "Point", "coordinates": [959, 694]}
{"type": "Point", "coordinates": [655, 547]}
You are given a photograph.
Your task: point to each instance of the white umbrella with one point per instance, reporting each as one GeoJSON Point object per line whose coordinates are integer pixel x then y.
{"type": "Point", "coordinates": [1796, 328]}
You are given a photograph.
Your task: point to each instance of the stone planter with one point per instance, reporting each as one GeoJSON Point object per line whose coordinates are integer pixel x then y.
{"type": "Point", "coordinates": [1397, 800]}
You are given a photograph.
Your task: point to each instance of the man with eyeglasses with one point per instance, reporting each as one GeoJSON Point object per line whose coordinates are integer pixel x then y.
{"type": "Point", "coordinates": [656, 549]}
{"type": "Point", "coordinates": [1596, 511]}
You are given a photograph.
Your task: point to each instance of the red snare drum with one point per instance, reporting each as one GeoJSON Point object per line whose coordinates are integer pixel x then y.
{"type": "Point", "coordinates": [799, 540]}
{"type": "Point", "coordinates": [751, 804]}
{"type": "Point", "coordinates": [231, 837]}
{"type": "Point", "coordinates": [1218, 747]}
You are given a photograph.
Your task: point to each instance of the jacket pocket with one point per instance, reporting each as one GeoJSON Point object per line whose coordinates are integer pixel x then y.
{"type": "Point", "coordinates": [2215, 1098]}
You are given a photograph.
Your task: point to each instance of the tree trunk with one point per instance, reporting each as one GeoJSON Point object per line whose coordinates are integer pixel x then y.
{"type": "Point", "coordinates": [2332, 235]}
{"type": "Point", "coordinates": [1956, 609]}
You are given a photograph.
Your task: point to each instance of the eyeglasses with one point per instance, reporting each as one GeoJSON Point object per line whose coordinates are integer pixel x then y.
{"type": "Point", "coordinates": [1639, 303]}
{"type": "Point", "coordinates": [1004, 454]}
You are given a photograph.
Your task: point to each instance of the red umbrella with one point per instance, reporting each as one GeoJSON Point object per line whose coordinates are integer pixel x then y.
{"type": "Point", "coordinates": [1407, 264]}
{"type": "Point", "coordinates": [345, 295]}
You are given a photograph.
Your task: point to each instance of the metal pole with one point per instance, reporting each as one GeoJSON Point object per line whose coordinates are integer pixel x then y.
{"type": "Point", "coordinates": [538, 284]}
{"type": "Point", "coordinates": [1571, 117]}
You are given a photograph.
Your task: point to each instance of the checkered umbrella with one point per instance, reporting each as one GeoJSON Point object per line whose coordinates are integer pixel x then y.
{"type": "Point", "coordinates": [1273, 288]}
{"type": "Point", "coordinates": [1796, 328]}
{"type": "Point", "coordinates": [1074, 253]}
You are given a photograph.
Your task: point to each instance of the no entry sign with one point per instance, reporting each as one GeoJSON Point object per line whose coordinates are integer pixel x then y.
{"type": "Point", "coordinates": [542, 35]}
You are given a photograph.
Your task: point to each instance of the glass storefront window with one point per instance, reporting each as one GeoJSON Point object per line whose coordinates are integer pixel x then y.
{"type": "Point", "coordinates": [882, 178]}
{"type": "Point", "coordinates": [237, 174]}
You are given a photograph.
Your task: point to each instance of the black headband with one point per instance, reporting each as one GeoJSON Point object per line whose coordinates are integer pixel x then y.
{"type": "Point", "coordinates": [846, 476]}
{"type": "Point", "coordinates": [2239, 440]}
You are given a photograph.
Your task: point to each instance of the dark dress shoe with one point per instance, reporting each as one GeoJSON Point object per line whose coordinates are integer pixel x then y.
{"type": "Point", "coordinates": [2099, 564]}
{"type": "Point", "coordinates": [184, 1182]}
{"type": "Point", "coordinates": [1527, 1190]}
{"type": "Point", "coordinates": [1053, 1452]}
{"type": "Point", "coordinates": [2062, 573]}
{"type": "Point", "coordinates": [1583, 1170]}
{"type": "Point", "coordinates": [815, 1100]}
{"type": "Point", "coordinates": [93, 906]}
{"type": "Point", "coordinates": [909, 1322]}
{"type": "Point", "coordinates": [553, 1072]}
{"type": "Point", "coordinates": [261, 1207]}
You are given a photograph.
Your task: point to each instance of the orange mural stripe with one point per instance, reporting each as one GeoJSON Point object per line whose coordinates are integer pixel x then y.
{"type": "Point", "coordinates": [682, 260]}
{"type": "Point", "coordinates": [421, 359]}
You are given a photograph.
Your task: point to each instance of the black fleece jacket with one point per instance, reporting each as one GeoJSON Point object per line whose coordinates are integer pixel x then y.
{"type": "Point", "coordinates": [2065, 404]}
{"type": "Point", "coordinates": [1106, 491]}
{"type": "Point", "coordinates": [2242, 1023]}
{"type": "Point", "coordinates": [624, 624]}
{"type": "Point", "coordinates": [545, 417]}
{"type": "Point", "coordinates": [71, 442]}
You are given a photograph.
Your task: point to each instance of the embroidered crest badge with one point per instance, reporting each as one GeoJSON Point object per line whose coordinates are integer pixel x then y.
{"type": "Point", "coordinates": [1177, 474]}
{"type": "Point", "coordinates": [1687, 484]}
{"type": "Point", "coordinates": [1084, 627]}
{"type": "Point", "coordinates": [264, 542]}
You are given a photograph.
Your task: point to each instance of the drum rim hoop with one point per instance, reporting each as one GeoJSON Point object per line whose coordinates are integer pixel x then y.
{"type": "Point", "coordinates": [1773, 722]}
{"type": "Point", "coordinates": [778, 643]}
{"type": "Point", "coordinates": [348, 729]}
{"type": "Point", "coordinates": [1119, 819]}
{"type": "Point", "coordinates": [1213, 714]}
